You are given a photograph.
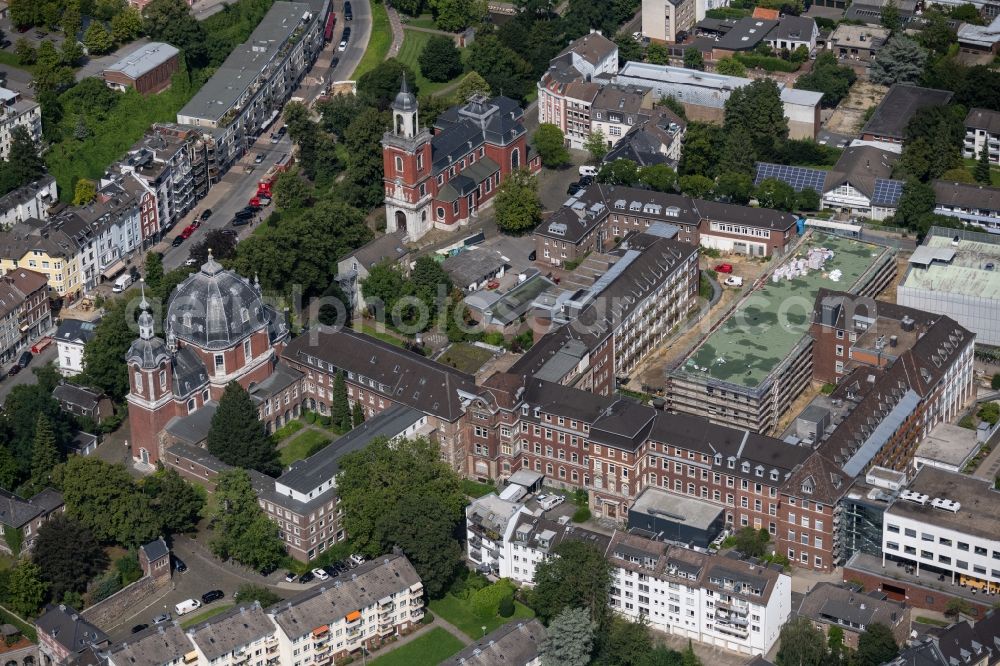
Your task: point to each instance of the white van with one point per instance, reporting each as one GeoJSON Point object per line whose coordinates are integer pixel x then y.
{"type": "Point", "coordinates": [588, 170]}
{"type": "Point", "coordinates": [187, 606]}
{"type": "Point", "coordinates": [122, 283]}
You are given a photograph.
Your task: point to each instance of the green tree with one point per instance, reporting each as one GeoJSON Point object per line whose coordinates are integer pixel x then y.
{"type": "Point", "coordinates": [25, 589]}
{"type": "Point", "coordinates": [71, 20]}
{"type": "Point", "coordinates": [242, 531]}
{"type": "Point", "coordinates": [734, 187]}
{"type": "Point", "coordinates": [807, 199]}
{"type": "Point", "coordinates": [456, 15]}
{"type": "Point", "coordinates": [501, 67]}
{"type": "Point", "coordinates": [751, 542]}
{"type": "Point", "coordinates": [801, 644]}
{"type": "Point", "coordinates": [128, 568]}
{"type": "Point", "coordinates": [404, 494]}
{"type": "Point", "coordinates": [340, 408]}
{"type": "Point", "coordinates": [103, 354]}
{"type": "Point", "coordinates": [702, 149]}
{"type": "Point", "coordinates": [384, 285]}
{"type": "Point", "coordinates": [916, 201]}
{"type": "Point", "coordinates": [982, 169]}
{"type": "Point", "coordinates": [176, 502]}
{"type": "Point", "coordinates": [890, 18]}
{"type": "Point", "coordinates": [25, 52]}
{"type": "Point", "coordinates": [828, 77]}
{"type": "Point", "coordinates": [380, 86]}
{"type": "Point", "coordinates": [696, 186]}
{"type": "Point", "coordinates": [171, 21]}
{"type": "Point", "coordinates": [578, 577]}
{"type": "Point", "coordinates": [85, 192]}
{"type": "Point", "coordinates": [693, 59]}
{"type": "Point", "coordinates": [44, 454]}
{"type": "Point", "coordinates": [103, 497]}
{"type": "Point", "coordinates": [126, 26]}
{"type": "Point", "coordinates": [338, 111]}
{"type": "Point", "coordinates": [730, 67]}
{"type": "Point", "coordinates": [291, 191]}
{"type": "Point", "coordinates": [98, 40]}
{"type": "Point", "coordinates": [471, 84]}
{"type": "Point", "coordinates": [757, 110]}
{"type": "Point", "coordinates": [67, 555]}
{"type": "Point", "coordinates": [876, 645]}
{"type": "Point", "coordinates": [967, 13]}
{"type": "Point", "coordinates": [774, 193]}
{"type": "Point", "coordinates": [835, 644]}
{"type": "Point", "coordinates": [440, 59]}
{"type": "Point", "coordinates": [486, 601]}
{"type": "Point", "coordinates": [659, 177]}
{"type": "Point", "coordinates": [739, 154]}
{"type": "Point", "coordinates": [957, 607]}
{"type": "Point", "coordinates": [624, 643]}
{"type": "Point", "coordinates": [23, 161]}
{"type": "Point", "coordinates": [237, 437]}
{"type": "Point", "coordinates": [628, 49]}
{"type": "Point", "coordinates": [597, 145]}
{"type": "Point", "coordinates": [901, 60]}
{"type": "Point", "coordinates": [933, 142]}
{"type": "Point", "coordinates": [364, 156]}
{"type": "Point", "coordinates": [357, 414]}
{"type": "Point", "coordinates": [550, 143]}
{"type": "Point", "coordinates": [936, 35]}
{"type": "Point", "coordinates": [154, 270]}
{"type": "Point", "coordinates": [620, 172]}
{"type": "Point", "coordinates": [249, 593]}
{"type": "Point", "coordinates": [518, 208]}
{"type": "Point", "coordinates": [569, 639]}
{"type": "Point", "coordinates": [22, 408]}
{"type": "Point", "coordinates": [657, 54]}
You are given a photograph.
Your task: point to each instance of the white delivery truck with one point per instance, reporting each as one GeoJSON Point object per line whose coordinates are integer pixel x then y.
{"type": "Point", "coordinates": [187, 606]}
{"type": "Point", "coordinates": [123, 282]}
{"type": "Point", "coordinates": [588, 170]}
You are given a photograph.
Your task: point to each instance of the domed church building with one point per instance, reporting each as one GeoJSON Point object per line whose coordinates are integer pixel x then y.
{"type": "Point", "coordinates": [218, 329]}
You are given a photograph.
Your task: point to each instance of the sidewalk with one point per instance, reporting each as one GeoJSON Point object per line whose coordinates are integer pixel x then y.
{"type": "Point", "coordinates": [397, 31]}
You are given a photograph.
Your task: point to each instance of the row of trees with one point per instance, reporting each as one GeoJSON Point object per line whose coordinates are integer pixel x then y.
{"type": "Point", "coordinates": [802, 644]}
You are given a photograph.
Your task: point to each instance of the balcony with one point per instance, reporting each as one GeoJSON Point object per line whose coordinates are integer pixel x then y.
{"type": "Point", "coordinates": [732, 631]}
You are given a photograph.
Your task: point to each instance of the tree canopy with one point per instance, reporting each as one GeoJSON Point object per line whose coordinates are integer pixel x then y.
{"type": "Point", "coordinates": [440, 59]}
{"type": "Point", "coordinates": [176, 502]}
{"type": "Point", "coordinates": [550, 143]}
{"type": "Point", "coordinates": [876, 645]}
{"type": "Point", "coordinates": [104, 498]}
{"type": "Point", "coordinates": [242, 531]}
{"type": "Point", "coordinates": [801, 644]}
{"type": "Point", "coordinates": [237, 436]}
{"type": "Point", "coordinates": [569, 639]}
{"type": "Point", "coordinates": [518, 209]}
{"type": "Point", "coordinates": [901, 60]}
{"type": "Point", "coordinates": [578, 577]}
{"type": "Point", "coordinates": [67, 555]}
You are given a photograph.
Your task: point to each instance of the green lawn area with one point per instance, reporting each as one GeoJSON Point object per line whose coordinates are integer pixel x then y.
{"type": "Point", "coordinates": [476, 489]}
{"type": "Point", "coordinates": [26, 629]}
{"type": "Point", "coordinates": [465, 357]}
{"type": "Point", "coordinates": [970, 166]}
{"type": "Point", "coordinates": [409, 53]}
{"type": "Point", "coordinates": [461, 614]}
{"type": "Point", "coordinates": [378, 44]}
{"type": "Point", "coordinates": [430, 649]}
{"type": "Point", "coordinates": [10, 60]}
{"type": "Point", "coordinates": [288, 430]}
{"type": "Point", "coordinates": [204, 615]}
{"type": "Point", "coordinates": [422, 21]}
{"type": "Point", "coordinates": [303, 446]}
{"type": "Point", "coordinates": [384, 337]}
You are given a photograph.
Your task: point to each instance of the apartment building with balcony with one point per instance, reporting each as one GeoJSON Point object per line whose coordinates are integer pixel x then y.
{"type": "Point", "coordinates": [25, 312]}
{"type": "Point", "coordinates": [323, 625]}
{"type": "Point", "coordinates": [977, 205]}
{"type": "Point", "coordinates": [31, 201]}
{"type": "Point", "coordinates": [982, 130]}
{"type": "Point", "coordinates": [616, 109]}
{"type": "Point", "coordinates": [18, 111]}
{"type": "Point", "coordinates": [248, 90]}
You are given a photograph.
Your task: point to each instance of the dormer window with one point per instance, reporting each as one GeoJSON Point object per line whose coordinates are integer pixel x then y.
{"type": "Point", "coordinates": [746, 467]}
{"type": "Point", "coordinates": [718, 458]}
{"type": "Point", "coordinates": [732, 463]}
{"type": "Point", "coordinates": [808, 486]}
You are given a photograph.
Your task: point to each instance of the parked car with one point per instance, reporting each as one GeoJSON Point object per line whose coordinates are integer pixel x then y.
{"type": "Point", "coordinates": [179, 565]}
{"type": "Point", "coordinates": [205, 214]}
{"type": "Point", "coordinates": [259, 158]}
{"type": "Point", "coordinates": [240, 221]}
{"type": "Point", "coordinates": [573, 188]}
{"type": "Point", "coordinates": [307, 577]}
{"type": "Point", "coordinates": [586, 180]}
{"type": "Point", "coordinates": [228, 232]}
{"type": "Point", "coordinates": [245, 213]}
{"type": "Point", "coordinates": [188, 231]}
{"type": "Point", "coordinates": [24, 359]}
{"type": "Point", "coordinates": [275, 138]}
{"type": "Point", "coordinates": [319, 573]}
{"type": "Point", "coordinates": [213, 595]}
{"type": "Point", "coordinates": [358, 559]}
{"type": "Point", "coordinates": [187, 606]}
{"type": "Point", "coordinates": [733, 281]}
{"type": "Point", "coordinates": [161, 618]}
{"type": "Point", "coordinates": [334, 63]}
{"type": "Point", "coordinates": [343, 45]}
{"type": "Point", "coordinates": [550, 501]}
{"type": "Point", "coordinates": [289, 577]}
{"type": "Point", "coordinates": [588, 170]}
{"type": "Point", "coordinates": [331, 570]}
{"type": "Point", "coordinates": [724, 268]}
{"type": "Point", "coordinates": [139, 627]}
{"type": "Point", "coordinates": [176, 242]}
{"type": "Point", "coordinates": [348, 12]}
{"type": "Point", "coordinates": [14, 370]}
{"type": "Point", "coordinates": [282, 130]}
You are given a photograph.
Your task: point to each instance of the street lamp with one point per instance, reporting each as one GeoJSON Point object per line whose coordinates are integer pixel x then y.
{"type": "Point", "coordinates": [484, 631]}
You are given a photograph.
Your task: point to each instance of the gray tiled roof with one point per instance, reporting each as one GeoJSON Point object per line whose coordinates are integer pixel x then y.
{"type": "Point", "coordinates": [158, 645]}
{"type": "Point", "coordinates": [76, 330]}
{"type": "Point", "coordinates": [79, 396]}
{"type": "Point", "coordinates": [156, 549]}
{"type": "Point", "coordinates": [899, 106]}
{"type": "Point", "coordinates": [65, 626]}
{"type": "Point", "coordinates": [236, 628]}
{"type": "Point", "coordinates": [514, 644]}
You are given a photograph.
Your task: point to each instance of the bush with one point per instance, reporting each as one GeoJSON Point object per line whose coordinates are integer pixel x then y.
{"type": "Point", "coordinates": [486, 602]}
{"type": "Point", "coordinates": [995, 382]}
{"type": "Point", "coordinates": [427, 618]}
{"type": "Point", "coordinates": [581, 515]}
{"type": "Point", "coordinates": [106, 587]}
{"type": "Point", "coordinates": [710, 252]}
{"type": "Point", "coordinates": [767, 63]}
{"type": "Point", "coordinates": [128, 569]}
{"type": "Point", "coordinates": [310, 417]}
{"type": "Point", "coordinates": [506, 608]}
{"type": "Point", "coordinates": [967, 422]}
{"type": "Point", "coordinates": [990, 412]}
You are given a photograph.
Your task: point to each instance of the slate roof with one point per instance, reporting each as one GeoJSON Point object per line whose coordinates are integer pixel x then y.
{"type": "Point", "coordinates": [793, 28]}
{"type": "Point", "coordinates": [236, 628]}
{"type": "Point", "coordinates": [330, 602]}
{"type": "Point", "coordinates": [155, 646]}
{"type": "Point", "coordinates": [841, 605]}
{"type": "Point", "coordinates": [388, 247]}
{"type": "Point", "coordinates": [193, 428]}
{"type": "Point", "coordinates": [984, 119]}
{"type": "Point", "coordinates": [76, 331]}
{"type": "Point", "coordinates": [25, 193]}
{"type": "Point", "coordinates": [746, 34]}
{"type": "Point", "coordinates": [461, 129]}
{"type": "Point", "coordinates": [644, 142]}
{"type": "Point", "coordinates": [65, 626]}
{"type": "Point", "coordinates": [16, 511]}
{"type": "Point", "coordinates": [593, 47]}
{"type": "Point", "coordinates": [961, 643]}
{"type": "Point", "coordinates": [156, 549]}
{"type": "Point", "coordinates": [79, 396]}
{"type": "Point", "coordinates": [965, 195]}
{"type": "Point", "coordinates": [899, 105]}
{"type": "Point", "coordinates": [408, 378]}
{"type": "Point", "coordinates": [190, 373]}
{"type": "Point", "coordinates": [861, 166]}
{"type": "Point", "coordinates": [514, 644]}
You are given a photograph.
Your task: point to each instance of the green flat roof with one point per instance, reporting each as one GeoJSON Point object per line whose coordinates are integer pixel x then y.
{"type": "Point", "coordinates": [966, 274]}
{"type": "Point", "coordinates": [765, 327]}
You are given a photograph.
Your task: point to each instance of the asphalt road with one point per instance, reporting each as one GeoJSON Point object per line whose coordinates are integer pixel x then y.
{"type": "Point", "coordinates": [26, 376]}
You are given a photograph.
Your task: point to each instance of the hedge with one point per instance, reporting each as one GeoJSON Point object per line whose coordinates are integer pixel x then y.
{"type": "Point", "coordinates": [767, 63]}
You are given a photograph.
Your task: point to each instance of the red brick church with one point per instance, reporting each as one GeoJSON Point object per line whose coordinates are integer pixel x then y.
{"type": "Point", "coordinates": [442, 178]}
{"type": "Point", "coordinates": [218, 330]}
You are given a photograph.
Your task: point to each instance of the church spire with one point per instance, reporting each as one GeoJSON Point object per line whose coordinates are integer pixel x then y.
{"type": "Point", "coordinates": [145, 319]}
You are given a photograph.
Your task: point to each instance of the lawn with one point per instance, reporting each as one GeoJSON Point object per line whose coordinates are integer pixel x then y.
{"type": "Point", "coordinates": [303, 446]}
{"type": "Point", "coordinates": [465, 357]}
{"type": "Point", "coordinates": [288, 430]}
{"type": "Point", "coordinates": [422, 21]}
{"type": "Point", "coordinates": [378, 43]}
{"type": "Point", "coordinates": [430, 649]}
{"type": "Point", "coordinates": [476, 489]}
{"type": "Point", "coordinates": [204, 615]}
{"type": "Point", "coordinates": [26, 629]}
{"type": "Point", "coordinates": [461, 614]}
{"type": "Point", "coordinates": [413, 44]}
{"type": "Point", "coordinates": [970, 166]}
{"type": "Point", "coordinates": [381, 335]}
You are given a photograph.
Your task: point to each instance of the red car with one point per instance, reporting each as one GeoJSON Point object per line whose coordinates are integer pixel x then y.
{"type": "Point", "coordinates": [724, 268]}
{"type": "Point", "coordinates": [188, 230]}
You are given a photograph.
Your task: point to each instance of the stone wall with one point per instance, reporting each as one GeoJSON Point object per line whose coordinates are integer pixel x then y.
{"type": "Point", "coordinates": [105, 613]}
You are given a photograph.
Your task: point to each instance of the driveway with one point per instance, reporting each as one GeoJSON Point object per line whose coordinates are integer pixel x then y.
{"type": "Point", "coordinates": [26, 376]}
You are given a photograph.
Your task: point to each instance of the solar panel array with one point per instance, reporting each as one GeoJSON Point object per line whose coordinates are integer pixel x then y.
{"type": "Point", "coordinates": [800, 178]}
{"type": "Point", "coordinates": [887, 191]}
